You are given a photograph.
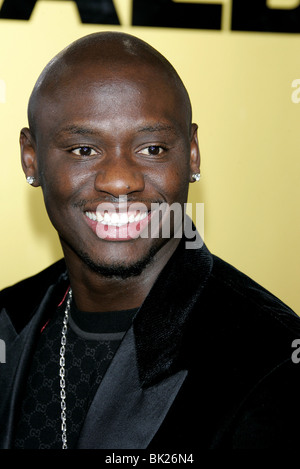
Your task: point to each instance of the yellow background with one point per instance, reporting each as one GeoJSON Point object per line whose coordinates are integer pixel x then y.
{"type": "Point", "coordinates": [241, 89]}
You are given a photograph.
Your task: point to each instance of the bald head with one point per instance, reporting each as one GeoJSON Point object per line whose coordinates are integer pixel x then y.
{"type": "Point", "coordinates": [104, 53]}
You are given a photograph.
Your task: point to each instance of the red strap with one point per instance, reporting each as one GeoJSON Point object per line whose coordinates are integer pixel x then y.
{"type": "Point", "coordinates": [58, 306]}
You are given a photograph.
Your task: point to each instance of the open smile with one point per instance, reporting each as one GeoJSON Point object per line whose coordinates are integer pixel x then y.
{"type": "Point", "coordinates": [118, 225]}
{"type": "Point", "coordinates": [115, 218]}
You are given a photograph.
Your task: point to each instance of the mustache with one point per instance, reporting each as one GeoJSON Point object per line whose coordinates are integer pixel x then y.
{"type": "Point", "coordinates": [116, 200]}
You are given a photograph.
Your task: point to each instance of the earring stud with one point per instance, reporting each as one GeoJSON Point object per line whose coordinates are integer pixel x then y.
{"type": "Point", "coordinates": [30, 179]}
{"type": "Point", "coordinates": [196, 176]}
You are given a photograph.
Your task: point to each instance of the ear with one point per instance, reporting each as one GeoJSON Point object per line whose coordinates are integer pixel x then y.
{"type": "Point", "coordinates": [28, 155]}
{"type": "Point", "coordinates": [195, 153]}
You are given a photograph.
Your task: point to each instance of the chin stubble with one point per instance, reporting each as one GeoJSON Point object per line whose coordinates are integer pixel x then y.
{"type": "Point", "coordinates": [120, 270]}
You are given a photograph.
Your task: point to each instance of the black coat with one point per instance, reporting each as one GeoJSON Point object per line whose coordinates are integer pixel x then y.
{"type": "Point", "coordinates": [207, 363]}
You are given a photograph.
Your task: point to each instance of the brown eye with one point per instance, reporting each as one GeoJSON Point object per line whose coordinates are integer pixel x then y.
{"type": "Point", "coordinates": [152, 150]}
{"type": "Point", "coordinates": [84, 151]}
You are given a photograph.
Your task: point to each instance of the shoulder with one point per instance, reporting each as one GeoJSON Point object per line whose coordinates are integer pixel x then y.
{"type": "Point", "coordinates": [246, 329]}
{"type": "Point", "coordinates": [34, 283]}
{"type": "Point", "coordinates": [241, 331]}
{"type": "Point", "coordinates": [244, 326]}
{"type": "Point", "coordinates": [20, 300]}
{"type": "Point", "coordinates": [242, 294]}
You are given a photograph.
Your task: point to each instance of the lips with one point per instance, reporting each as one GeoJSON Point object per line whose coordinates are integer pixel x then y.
{"type": "Point", "coordinates": [113, 225]}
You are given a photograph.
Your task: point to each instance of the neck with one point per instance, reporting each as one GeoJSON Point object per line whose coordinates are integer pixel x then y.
{"type": "Point", "coordinates": [95, 293]}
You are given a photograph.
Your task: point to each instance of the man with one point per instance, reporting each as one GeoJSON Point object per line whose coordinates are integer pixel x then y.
{"type": "Point", "coordinates": [134, 340]}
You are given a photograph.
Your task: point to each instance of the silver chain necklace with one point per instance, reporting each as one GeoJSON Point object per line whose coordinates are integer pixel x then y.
{"type": "Point", "coordinates": [62, 373]}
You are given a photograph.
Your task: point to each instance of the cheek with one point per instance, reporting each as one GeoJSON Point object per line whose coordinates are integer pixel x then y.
{"type": "Point", "coordinates": [60, 181]}
{"type": "Point", "coordinates": [57, 191]}
{"type": "Point", "coordinates": [173, 182]}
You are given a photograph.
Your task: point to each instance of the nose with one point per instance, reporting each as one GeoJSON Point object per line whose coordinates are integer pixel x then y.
{"type": "Point", "coordinates": [119, 176]}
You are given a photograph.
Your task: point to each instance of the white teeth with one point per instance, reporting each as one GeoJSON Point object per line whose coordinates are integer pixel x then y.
{"type": "Point", "coordinates": [107, 218]}
{"type": "Point", "coordinates": [122, 217]}
{"type": "Point", "coordinates": [94, 216]}
{"type": "Point", "coordinates": [91, 216]}
{"type": "Point", "coordinates": [141, 216]}
{"type": "Point", "coordinates": [116, 219]}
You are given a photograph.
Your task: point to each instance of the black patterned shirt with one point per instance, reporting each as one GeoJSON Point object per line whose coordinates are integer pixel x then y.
{"type": "Point", "coordinates": [92, 340]}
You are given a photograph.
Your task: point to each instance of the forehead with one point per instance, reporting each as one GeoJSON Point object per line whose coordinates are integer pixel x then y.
{"type": "Point", "coordinates": [109, 96]}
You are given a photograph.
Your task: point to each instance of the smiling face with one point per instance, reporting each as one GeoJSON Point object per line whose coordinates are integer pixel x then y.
{"type": "Point", "coordinates": [111, 132]}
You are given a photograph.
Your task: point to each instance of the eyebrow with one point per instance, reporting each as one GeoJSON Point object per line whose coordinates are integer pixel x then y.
{"type": "Point", "coordinates": [74, 129]}
{"type": "Point", "coordinates": [77, 130]}
{"type": "Point", "coordinates": [159, 127]}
